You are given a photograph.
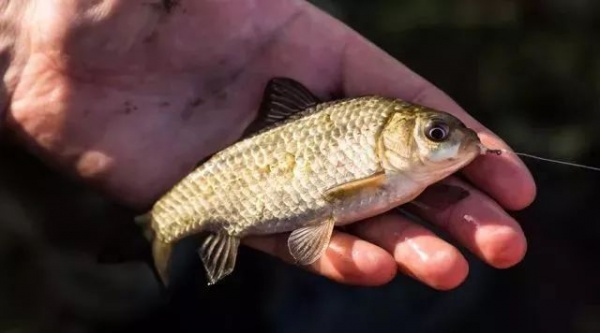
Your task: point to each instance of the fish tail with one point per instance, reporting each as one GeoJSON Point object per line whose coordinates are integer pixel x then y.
{"type": "Point", "coordinates": [161, 251]}
{"type": "Point", "coordinates": [145, 222]}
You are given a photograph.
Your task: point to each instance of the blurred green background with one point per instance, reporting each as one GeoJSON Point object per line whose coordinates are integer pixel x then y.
{"type": "Point", "coordinates": [530, 70]}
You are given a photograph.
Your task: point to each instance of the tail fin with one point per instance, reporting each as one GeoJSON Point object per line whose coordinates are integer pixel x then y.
{"type": "Point", "coordinates": [162, 257]}
{"type": "Point", "coordinates": [161, 251]}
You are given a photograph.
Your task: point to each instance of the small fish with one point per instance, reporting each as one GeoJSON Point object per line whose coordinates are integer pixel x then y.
{"type": "Point", "coordinates": [305, 166]}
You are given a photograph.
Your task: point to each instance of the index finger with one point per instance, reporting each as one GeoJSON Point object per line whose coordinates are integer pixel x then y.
{"type": "Point", "coordinates": [369, 70]}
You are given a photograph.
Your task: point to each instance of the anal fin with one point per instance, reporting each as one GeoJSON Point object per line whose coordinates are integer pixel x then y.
{"type": "Point", "coordinates": [307, 244]}
{"type": "Point", "coordinates": [218, 253]}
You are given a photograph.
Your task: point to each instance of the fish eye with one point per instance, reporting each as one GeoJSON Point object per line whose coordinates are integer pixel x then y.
{"type": "Point", "coordinates": [437, 131]}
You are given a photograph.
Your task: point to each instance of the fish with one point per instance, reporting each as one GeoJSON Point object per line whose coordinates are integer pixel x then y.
{"type": "Point", "coordinates": [306, 166]}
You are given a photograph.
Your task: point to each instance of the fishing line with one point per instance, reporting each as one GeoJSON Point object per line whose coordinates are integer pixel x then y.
{"type": "Point", "coordinates": [560, 162]}
{"type": "Point", "coordinates": [576, 165]}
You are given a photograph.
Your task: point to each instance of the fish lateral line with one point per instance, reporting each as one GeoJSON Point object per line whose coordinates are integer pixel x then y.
{"type": "Point", "coordinates": [485, 150]}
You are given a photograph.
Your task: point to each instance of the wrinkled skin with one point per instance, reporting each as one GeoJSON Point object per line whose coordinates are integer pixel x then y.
{"type": "Point", "coordinates": [129, 96]}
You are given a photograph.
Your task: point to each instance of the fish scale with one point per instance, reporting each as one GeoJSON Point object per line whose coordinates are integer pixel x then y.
{"type": "Point", "coordinates": [304, 166]}
{"type": "Point", "coordinates": [356, 158]}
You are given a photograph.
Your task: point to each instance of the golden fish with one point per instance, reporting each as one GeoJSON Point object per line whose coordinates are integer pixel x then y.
{"type": "Point", "coordinates": [304, 167]}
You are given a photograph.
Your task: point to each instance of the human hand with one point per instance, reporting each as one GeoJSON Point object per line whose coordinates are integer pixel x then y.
{"type": "Point", "coordinates": [129, 96]}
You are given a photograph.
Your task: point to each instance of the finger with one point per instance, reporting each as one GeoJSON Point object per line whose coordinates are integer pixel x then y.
{"type": "Point", "coordinates": [501, 176]}
{"type": "Point", "coordinates": [369, 70]}
{"type": "Point", "coordinates": [478, 223]}
{"type": "Point", "coordinates": [417, 251]}
{"type": "Point", "coordinates": [348, 259]}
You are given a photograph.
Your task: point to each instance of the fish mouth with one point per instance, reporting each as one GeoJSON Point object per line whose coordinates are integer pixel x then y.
{"type": "Point", "coordinates": [472, 141]}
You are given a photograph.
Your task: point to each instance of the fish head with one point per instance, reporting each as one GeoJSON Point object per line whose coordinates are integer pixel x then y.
{"type": "Point", "coordinates": [443, 140]}
{"type": "Point", "coordinates": [428, 144]}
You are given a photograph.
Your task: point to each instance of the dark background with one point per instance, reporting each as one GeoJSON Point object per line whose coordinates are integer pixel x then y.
{"type": "Point", "coordinates": [530, 70]}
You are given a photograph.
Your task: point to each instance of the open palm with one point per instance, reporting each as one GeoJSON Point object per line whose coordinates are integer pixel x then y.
{"type": "Point", "coordinates": [130, 95]}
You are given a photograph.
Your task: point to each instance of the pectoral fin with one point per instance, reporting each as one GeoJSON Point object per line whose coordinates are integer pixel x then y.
{"type": "Point", "coordinates": [372, 184]}
{"type": "Point", "coordinates": [218, 253]}
{"type": "Point", "coordinates": [307, 244]}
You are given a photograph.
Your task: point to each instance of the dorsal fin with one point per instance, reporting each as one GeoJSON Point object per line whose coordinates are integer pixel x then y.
{"type": "Point", "coordinates": [283, 99]}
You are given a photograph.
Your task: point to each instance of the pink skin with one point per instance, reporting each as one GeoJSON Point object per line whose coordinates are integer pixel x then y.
{"type": "Point", "coordinates": [128, 98]}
